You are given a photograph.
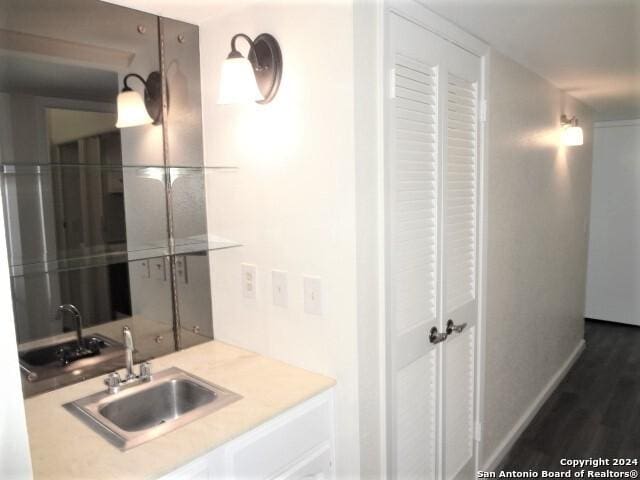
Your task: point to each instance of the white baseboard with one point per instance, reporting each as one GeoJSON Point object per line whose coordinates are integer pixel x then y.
{"type": "Point", "coordinates": [498, 455]}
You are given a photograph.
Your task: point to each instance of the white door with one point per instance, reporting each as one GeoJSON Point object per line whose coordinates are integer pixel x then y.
{"type": "Point", "coordinates": [460, 222]}
{"type": "Point", "coordinates": [613, 274]}
{"type": "Point", "coordinates": [431, 137]}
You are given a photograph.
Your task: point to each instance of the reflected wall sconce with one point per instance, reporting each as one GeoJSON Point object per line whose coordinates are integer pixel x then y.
{"type": "Point", "coordinates": [255, 78]}
{"type": "Point", "coordinates": [571, 132]}
{"type": "Point", "coordinates": [133, 110]}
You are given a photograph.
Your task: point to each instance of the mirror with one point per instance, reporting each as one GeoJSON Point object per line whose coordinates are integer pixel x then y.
{"type": "Point", "coordinates": [106, 227]}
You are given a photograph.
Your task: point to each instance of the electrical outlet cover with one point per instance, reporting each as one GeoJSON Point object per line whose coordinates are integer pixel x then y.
{"type": "Point", "coordinates": [182, 269]}
{"type": "Point", "coordinates": [248, 281]}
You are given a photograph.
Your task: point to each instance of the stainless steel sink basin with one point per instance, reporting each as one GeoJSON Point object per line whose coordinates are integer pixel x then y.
{"type": "Point", "coordinates": [145, 411]}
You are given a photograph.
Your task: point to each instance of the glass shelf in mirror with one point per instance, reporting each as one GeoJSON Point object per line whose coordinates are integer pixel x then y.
{"type": "Point", "coordinates": [187, 246]}
{"type": "Point", "coordinates": [26, 168]}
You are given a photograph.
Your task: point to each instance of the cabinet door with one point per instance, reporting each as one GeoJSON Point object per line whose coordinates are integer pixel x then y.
{"type": "Point", "coordinates": [197, 470]}
{"type": "Point", "coordinates": [285, 441]}
{"type": "Point", "coordinates": [316, 465]}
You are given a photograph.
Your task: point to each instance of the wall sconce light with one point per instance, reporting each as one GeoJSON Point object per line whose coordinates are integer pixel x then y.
{"type": "Point", "coordinates": [571, 132]}
{"type": "Point", "coordinates": [133, 110]}
{"type": "Point", "coordinates": [255, 78]}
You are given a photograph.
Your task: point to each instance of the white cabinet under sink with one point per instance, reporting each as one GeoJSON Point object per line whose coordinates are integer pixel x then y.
{"type": "Point", "coordinates": [295, 445]}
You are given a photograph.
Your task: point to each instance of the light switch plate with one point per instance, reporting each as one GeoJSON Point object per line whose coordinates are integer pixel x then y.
{"type": "Point", "coordinates": [280, 291]}
{"type": "Point", "coordinates": [248, 281]}
{"type": "Point", "coordinates": [312, 295]}
{"type": "Point", "coordinates": [158, 269]}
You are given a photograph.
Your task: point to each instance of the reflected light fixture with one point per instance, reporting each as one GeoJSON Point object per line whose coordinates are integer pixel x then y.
{"type": "Point", "coordinates": [133, 110]}
{"type": "Point", "coordinates": [571, 132]}
{"type": "Point", "coordinates": [255, 78]}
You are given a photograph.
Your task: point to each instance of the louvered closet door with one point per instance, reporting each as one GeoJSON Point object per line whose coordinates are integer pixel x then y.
{"type": "Point", "coordinates": [413, 182]}
{"type": "Point", "coordinates": [460, 222]}
{"type": "Point", "coordinates": [431, 211]}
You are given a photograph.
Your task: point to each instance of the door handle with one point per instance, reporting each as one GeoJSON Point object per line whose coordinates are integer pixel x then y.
{"type": "Point", "coordinates": [435, 337]}
{"type": "Point", "coordinates": [452, 327]}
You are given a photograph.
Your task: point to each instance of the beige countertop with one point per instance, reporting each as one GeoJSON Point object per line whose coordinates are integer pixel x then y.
{"type": "Point", "coordinates": [62, 447]}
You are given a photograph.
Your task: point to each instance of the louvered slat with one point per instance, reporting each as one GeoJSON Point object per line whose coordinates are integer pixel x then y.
{"type": "Point", "coordinates": [415, 191]}
{"type": "Point", "coordinates": [460, 191]}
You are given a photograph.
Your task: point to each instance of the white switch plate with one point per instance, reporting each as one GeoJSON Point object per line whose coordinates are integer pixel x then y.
{"type": "Point", "coordinates": [248, 281]}
{"type": "Point", "coordinates": [280, 291]}
{"type": "Point", "coordinates": [143, 269]}
{"type": "Point", "coordinates": [312, 295]}
{"type": "Point", "coordinates": [158, 269]}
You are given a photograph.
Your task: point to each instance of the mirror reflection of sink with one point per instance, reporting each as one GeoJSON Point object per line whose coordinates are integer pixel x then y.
{"type": "Point", "coordinates": [147, 410]}
{"type": "Point", "coordinates": [50, 354]}
{"type": "Point", "coordinates": [57, 360]}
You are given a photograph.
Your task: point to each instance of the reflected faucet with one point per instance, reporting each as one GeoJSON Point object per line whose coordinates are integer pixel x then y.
{"type": "Point", "coordinates": [77, 318]}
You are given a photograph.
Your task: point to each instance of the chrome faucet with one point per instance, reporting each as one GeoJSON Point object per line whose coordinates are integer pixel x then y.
{"type": "Point", "coordinates": [77, 318]}
{"type": "Point", "coordinates": [113, 380]}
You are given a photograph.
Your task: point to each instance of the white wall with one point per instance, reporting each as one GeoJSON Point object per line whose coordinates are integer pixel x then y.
{"type": "Point", "coordinates": [538, 210]}
{"type": "Point", "coordinates": [614, 244]}
{"type": "Point", "coordinates": [368, 18]}
{"type": "Point", "coordinates": [291, 202]}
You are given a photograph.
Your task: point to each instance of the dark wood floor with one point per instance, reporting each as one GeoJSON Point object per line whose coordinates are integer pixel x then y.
{"type": "Point", "coordinates": [595, 411]}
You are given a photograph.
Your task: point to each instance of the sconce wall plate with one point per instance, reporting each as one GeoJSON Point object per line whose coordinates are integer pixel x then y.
{"type": "Point", "coordinates": [153, 96]}
{"type": "Point", "coordinates": [255, 78]}
{"type": "Point", "coordinates": [266, 59]}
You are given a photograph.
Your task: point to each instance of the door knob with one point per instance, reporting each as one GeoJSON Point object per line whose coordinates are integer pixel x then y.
{"type": "Point", "coordinates": [435, 337]}
{"type": "Point", "coordinates": [452, 327]}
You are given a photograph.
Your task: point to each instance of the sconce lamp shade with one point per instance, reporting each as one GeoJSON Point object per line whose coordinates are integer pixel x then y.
{"type": "Point", "coordinates": [238, 82]}
{"type": "Point", "coordinates": [132, 111]}
{"type": "Point", "coordinates": [572, 136]}
{"type": "Point", "coordinates": [255, 78]}
{"type": "Point", "coordinates": [571, 132]}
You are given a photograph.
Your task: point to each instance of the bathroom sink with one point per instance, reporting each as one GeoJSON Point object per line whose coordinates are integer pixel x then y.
{"type": "Point", "coordinates": [147, 410]}
{"type": "Point", "coordinates": [157, 404]}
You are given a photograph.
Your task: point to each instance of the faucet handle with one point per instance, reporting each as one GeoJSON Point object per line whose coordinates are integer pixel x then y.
{"type": "Point", "coordinates": [113, 382]}
{"type": "Point", "coordinates": [145, 371]}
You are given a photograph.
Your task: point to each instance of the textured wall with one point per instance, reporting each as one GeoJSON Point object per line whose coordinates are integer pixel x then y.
{"type": "Point", "coordinates": [291, 202]}
{"type": "Point", "coordinates": [538, 196]}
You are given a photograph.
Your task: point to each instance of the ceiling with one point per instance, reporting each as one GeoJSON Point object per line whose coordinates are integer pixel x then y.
{"type": "Point", "coordinates": [589, 48]}
{"type": "Point", "coordinates": [190, 11]}
{"type": "Point", "coordinates": [29, 76]}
